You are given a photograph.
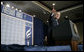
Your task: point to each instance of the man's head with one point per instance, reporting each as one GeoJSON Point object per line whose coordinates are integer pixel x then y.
{"type": "Point", "coordinates": [57, 15]}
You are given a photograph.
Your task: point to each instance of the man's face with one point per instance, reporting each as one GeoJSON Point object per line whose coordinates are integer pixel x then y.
{"type": "Point", "coordinates": [57, 15]}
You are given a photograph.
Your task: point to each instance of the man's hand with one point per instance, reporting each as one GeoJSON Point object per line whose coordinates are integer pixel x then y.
{"type": "Point", "coordinates": [46, 38]}
{"type": "Point", "coordinates": [53, 10]}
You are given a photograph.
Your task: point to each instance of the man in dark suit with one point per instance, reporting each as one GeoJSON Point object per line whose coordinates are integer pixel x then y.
{"type": "Point", "coordinates": [53, 28]}
{"type": "Point", "coordinates": [53, 22]}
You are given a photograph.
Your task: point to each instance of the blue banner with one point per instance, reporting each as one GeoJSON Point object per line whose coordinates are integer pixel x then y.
{"type": "Point", "coordinates": [9, 11]}
{"type": "Point", "coordinates": [15, 13]}
{"type": "Point", "coordinates": [28, 34]}
{"type": "Point", "coordinates": [19, 14]}
{"type": "Point", "coordinates": [1, 8]}
{"type": "Point", "coordinates": [27, 17]}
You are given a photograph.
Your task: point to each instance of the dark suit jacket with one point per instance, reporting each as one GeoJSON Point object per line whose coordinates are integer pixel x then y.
{"type": "Point", "coordinates": [51, 28]}
{"type": "Point", "coordinates": [60, 32]}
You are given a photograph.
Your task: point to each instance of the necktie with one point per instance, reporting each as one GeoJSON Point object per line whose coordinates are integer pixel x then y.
{"type": "Point", "coordinates": [57, 22]}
